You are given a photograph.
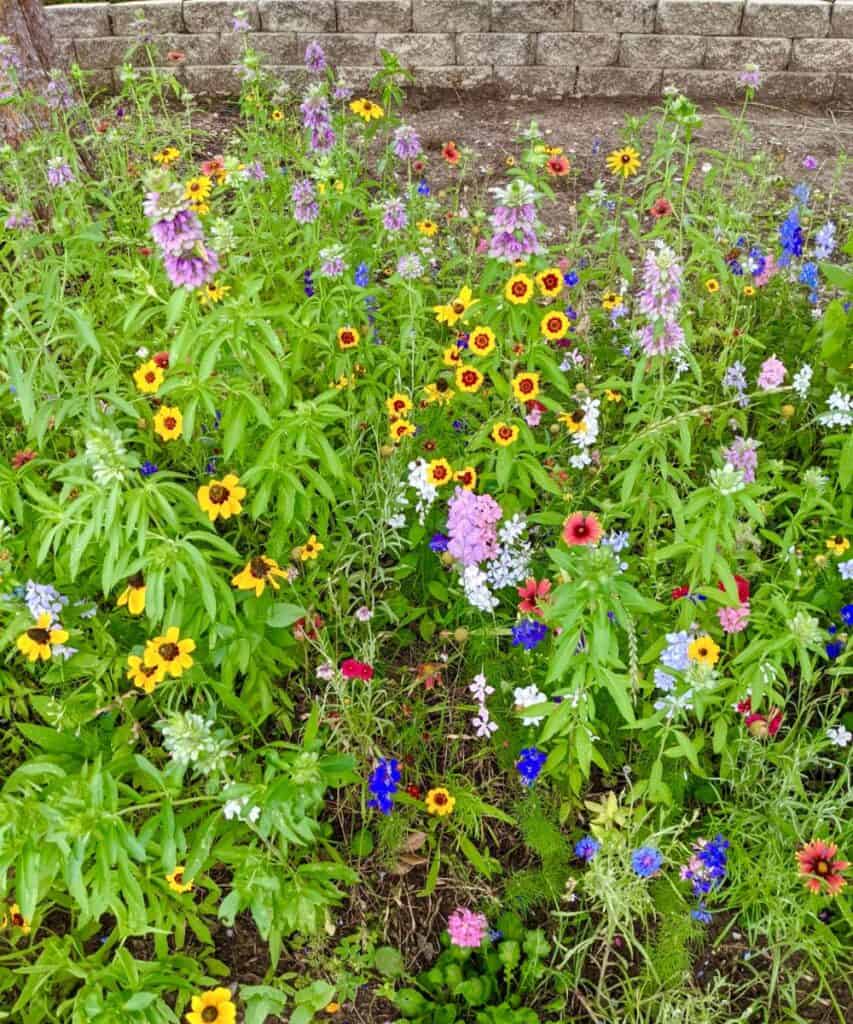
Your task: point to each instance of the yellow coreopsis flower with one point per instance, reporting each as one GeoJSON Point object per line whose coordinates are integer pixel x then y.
{"type": "Point", "coordinates": [16, 919]}
{"type": "Point", "coordinates": [258, 572]}
{"type": "Point", "coordinates": [439, 393]}
{"type": "Point", "coordinates": [311, 549]}
{"type": "Point", "coordinates": [170, 653]}
{"type": "Point", "coordinates": [611, 300]}
{"type": "Point", "coordinates": [519, 289]}
{"type": "Point", "coordinates": [504, 434]}
{"type": "Point", "coordinates": [625, 161]}
{"type": "Point", "coordinates": [550, 281]}
{"type": "Point", "coordinates": [146, 677]}
{"type": "Point", "coordinates": [554, 325]}
{"type": "Point", "coordinates": [466, 477]}
{"type": "Point", "coordinates": [221, 499]}
{"type": "Point", "coordinates": [400, 429]}
{"type": "Point", "coordinates": [469, 379]}
{"type": "Point", "coordinates": [133, 595]}
{"type": "Point", "coordinates": [212, 1007]}
{"type": "Point", "coordinates": [37, 643]}
{"type": "Point", "coordinates": [439, 472]}
{"type": "Point", "coordinates": [168, 422]}
{"type": "Point", "coordinates": [440, 802]}
{"type": "Point", "coordinates": [148, 377]}
{"type": "Point", "coordinates": [398, 404]}
{"type": "Point", "coordinates": [176, 880]}
{"type": "Point", "coordinates": [456, 308]}
{"type": "Point", "coordinates": [481, 341]}
{"type": "Point", "coordinates": [348, 337]}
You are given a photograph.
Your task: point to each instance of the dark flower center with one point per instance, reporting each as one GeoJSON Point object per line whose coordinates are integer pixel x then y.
{"type": "Point", "coordinates": [440, 799]}
{"type": "Point", "coordinates": [170, 422]}
{"type": "Point", "coordinates": [526, 385]}
{"type": "Point", "coordinates": [519, 288]}
{"type": "Point", "coordinates": [219, 494]}
{"type": "Point", "coordinates": [441, 385]}
{"type": "Point", "coordinates": [148, 670]}
{"type": "Point", "coordinates": [178, 878]}
{"type": "Point", "coordinates": [506, 432]}
{"type": "Point", "coordinates": [839, 539]}
{"type": "Point", "coordinates": [458, 307]}
{"type": "Point", "coordinates": [168, 652]}
{"type": "Point", "coordinates": [577, 416]}
{"type": "Point", "coordinates": [136, 581]}
{"type": "Point", "coordinates": [259, 568]}
{"type": "Point", "coordinates": [150, 377]}
{"type": "Point", "coordinates": [581, 530]}
{"type": "Point", "coordinates": [210, 1013]}
{"type": "Point", "coordinates": [39, 636]}
{"type": "Point", "coordinates": [18, 920]}
{"type": "Point", "coordinates": [626, 158]}
{"type": "Point", "coordinates": [822, 867]}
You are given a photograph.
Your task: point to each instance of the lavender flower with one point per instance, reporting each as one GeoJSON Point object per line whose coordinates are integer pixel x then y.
{"type": "Point", "coordinates": [660, 300]}
{"type": "Point", "coordinates": [19, 218]}
{"type": "Point", "coordinates": [179, 233]}
{"type": "Point", "coordinates": [409, 266]}
{"type": "Point", "coordinates": [59, 172]}
{"type": "Point", "coordinates": [407, 145]}
{"type": "Point", "coordinates": [394, 217]}
{"type": "Point", "coordinates": [303, 196]}
{"type": "Point", "coordinates": [333, 264]}
{"type": "Point", "coordinates": [824, 241]}
{"type": "Point", "coordinates": [315, 58]}
{"type": "Point", "coordinates": [514, 221]}
{"type": "Point", "coordinates": [315, 108]}
{"type": "Point", "coordinates": [735, 379]}
{"type": "Point", "coordinates": [743, 455]}
{"type": "Point", "coordinates": [192, 270]}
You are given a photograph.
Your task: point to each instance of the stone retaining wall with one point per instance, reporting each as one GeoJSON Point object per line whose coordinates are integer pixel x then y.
{"type": "Point", "coordinates": [548, 48]}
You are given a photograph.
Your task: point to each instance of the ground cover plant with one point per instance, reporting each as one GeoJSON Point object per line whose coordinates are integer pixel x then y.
{"type": "Point", "coordinates": [410, 610]}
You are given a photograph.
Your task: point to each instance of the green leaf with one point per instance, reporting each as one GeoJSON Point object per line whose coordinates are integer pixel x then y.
{"type": "Point", "coordinates": [282, 615]}
{"type": "Point", "coordinates": [389, 961]}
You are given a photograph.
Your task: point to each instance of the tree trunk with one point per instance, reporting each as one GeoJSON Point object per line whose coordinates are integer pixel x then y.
{"type": "Point", "coordinates": [26, 57]}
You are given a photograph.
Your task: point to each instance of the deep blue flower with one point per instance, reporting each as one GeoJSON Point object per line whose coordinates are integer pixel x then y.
{"type": "Point", "coordinates": [362, 275]}
{"type": "Point", "coordinates": [587, 848]}
{"type": "Point", "coordinates": [571, 312]}
{"type": "Point", "coordinates": [148, 468]}
{"type": "Point", "coordinates": [529, 764]}
{"type": "Point", "coordinates": [833, 649]}
{"type": "Point", "coordinates": [529, 633]}
{"type": "Point", "coordinates": [701, 913]}
{"type": "Point", "coordinates": [790, 237]}
{"type": "Point", "coordinates": [646, 861]}
{"type": "Point", "coordinates": [439, 542]}
{"type": "Point", "coordinates": [383, 784]}
{"type": "Point", "coordinates": [808, 275]}
{"type": "Point", "coordinates": [210, 468]}
{"type": "Point", "coordinates": [571, 279]}
{"type": "Point", "coordinates": [460, 426]}
{"type": "Point", "coordinates": [756, 261]}
{"type": "Point", "coordinates": [847, 614]}
{"type": "Point", "coordinates": [462, 340]}
{"type": "Point", "coordinates": [423, 188]}
{"type": "Point", "coordinates": [308, 283]}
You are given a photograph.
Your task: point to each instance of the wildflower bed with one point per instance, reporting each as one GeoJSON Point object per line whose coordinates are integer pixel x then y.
{"type": "Point", "coordinates": [363, 550]}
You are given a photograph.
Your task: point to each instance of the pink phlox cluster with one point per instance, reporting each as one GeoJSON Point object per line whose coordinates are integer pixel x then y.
{"type": "Point", "coordinates": [467, 928]}
{"type": "Point", "coordinates": [471, 526]}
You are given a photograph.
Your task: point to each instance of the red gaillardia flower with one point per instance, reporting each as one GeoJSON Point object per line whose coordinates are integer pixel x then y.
{"type": "Point", "coordinates": [557, 166]}
{"type": "Point", "coordinates": [660, 208]}
{"type": "Point", "coordinates": [818, 867]}
{"type": "Point", "coordinates": [450, 153]}
{"type": "Point", "coordinates": [581, 529]}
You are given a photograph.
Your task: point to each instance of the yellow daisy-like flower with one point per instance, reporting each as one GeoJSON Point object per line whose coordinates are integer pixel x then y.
{"type": "Point", "coordinates": [212, 1007]}
{"type": "Point", "coordinates": [198, 189]}
{"type": "Point", "coordinates": [398, 404]}
{"type": "Point", "coordinates": [148, 377]}
{"type": "Point", "coordinates": [452, 355]}
{"type": "Point", "coordinates": [712, 285]}
{"type": "Point", "coordinates": [504, 434]}
{"type": "Point", "coordinates": [258, 572]}
{"type": "Point", "coordinates": [469, 379]}
{"type": "Point", "coordinates": [456, 308]}
{"type": "Point", "coordinates": [439, 393]}
{"type": "Point", "coordinates": [168, 422]}
{"type": "Point", "coordinates": [550, 281]}
{"type": "Point", "coordinates": [277, 115]}
{"type": "Point", "coordinates": [439, 472]}
{"type": "Point", "coordinates": [525, 386]}
{"type": "Point", "coordinates": [838, 545]}
{"type": "Point", "coordinates": [466, 478]}
{"type": "Point", "coordinates": [575, 421]}
{"type": "Point", "coordinates": [170, 653]}
{"type": "Point", "coordinates": [38, 642]}
{"type": "Point", "coordinates": [16, 919]}
{"type": "Point", "coordinates": [366, 109]}
{"type": "Point", "coordinates": [221, 499]}
{"type": "Point", "coordinates": [311, 549]}
{"type": "Point", "coordinates": [482, 341]}
{"type": "Point", "coordinates": [440, 802]}
{"type": "Point", "coordinates": [748, 291]}
{"type": "Point", "coordinates": [554, 325]}
{"type": "Point", "coordinates": [519, 289]}
{"type": "Point", "coordinates": [166, 156]}
{"type": "Point", "coordinates": [348, 337]}
{"type": "Point", "coordinates": [611, 300]}
{"type": "Point", "coordinates": [400, 429]}
{"type": "Point", "coordinates": [176, 880]}
{"type": "Point", "coordinates": [427, 227]}
{"type": "Point", "coordinates": [213, 293]}
{"type": "Point", "coordinates": [625, 161]}
{"type": "Point", "coordinates": [704, 650]}
{"type": "Point", "coordinates": [133, 595]}
{"type": "Point", "coordinates": [146, 677]}
{"type": "Point", "coordinates": [612, 396]}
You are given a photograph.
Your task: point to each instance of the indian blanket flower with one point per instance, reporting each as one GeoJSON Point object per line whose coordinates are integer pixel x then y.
{"type": "Point", "coordinates": [646, 861]}
{"type": "Point", "coordinates": [472, 526]}
{"type": "Point", "coordinates": [170, 652]}
{"type": "Point", "coordinates": [528, 633]}
{"type": "Point", "coordinates": [582, 529]}
{"type": "Point", "coordinates": [39, 641]}
{"type": "Point", "coordinates": [467, 929]}
{"type": "Point", "coordinates": [531, 594]}
{"type": "Point", "coordinates": [221, 499]}
{"type": "Point", "coordinates": [529, 765]}
{"type": "Point", "coordinates": [407, 145]}
{"type": "Point", "coordinates": [382, 784]}
{"type": "Point", "coordinates": [258, 572]}
{"type": "Point", "coordinates": [772, 373]}
{"type": "Point", "coordinates": [133, 595]}
{"type": "Point", "coordinates": [439, 802]}
{"type": "Point", "coordinates": [820, 868]}
{"type": "Point", "coordinates": [212, 1007]}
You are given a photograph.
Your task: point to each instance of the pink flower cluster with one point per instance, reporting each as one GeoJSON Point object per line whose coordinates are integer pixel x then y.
{"type": "Point", "coordinates": [471, 522]}
{"type": "Point", "coordinates": [772, 373]}
{"type": "Point", "coordinates": [467, 928]}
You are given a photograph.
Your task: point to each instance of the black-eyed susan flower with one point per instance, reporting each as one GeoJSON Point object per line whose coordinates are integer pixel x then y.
{"type": "Point", "coordinates": [504, 434]}
{"type": "Point", "coordinates": [213, 292]}
{"type": "Point", "coordinates": [177, 882]}
{"type": "Point", "coordinates": [456, 308]}
{"type": "Point", "coordinates": [838, 545]}
{"type": "Point", "coordinates": [198, 189]}
{"type": "Point", "coordinates": [37, 643]}
{"type": "Point", "coordinates": [712, 285]}
{"type": "Point", "coordinates": [348, 337]}
{"type": "Point", "coordinates": [469, 379]}
{"type": "Point", "coordinates": [310, 550]}
{"type": "Point", "coordinates": [168, 422]}
{"type": "Point", "coordinates": [481, 341]}
{"type": "Point", "coordinates": [519, 289]}
{"type": "Point", "coordinates": [148, 377]}
{"type": "Point", "coordinates": [400, 429]}
{"type": "Point", "coordinates": [611, 300]}
{"type": "Point", "coordinates": [612, 396]}
{"type": "Point", "coordinates": [554, 325]}
{"type": "Point", "coordinates": [439, 472]}
{"type": "Point", "coordinates": [170, 653]}
{"type": "Point", "coordinates": [427, 227]}
{"type": "Point", "coordinates": [575, 422]}
{"type": "Point", "coordinates": [625, 161]}
{"type": "Point", "coordinates": [133, 595]}
{"type": "Point", "coordinates": [221, 499]}
{"type": "Point", "coordinates": [166, 156]}
{"type": "Point", "coordinates": [398, 404]}
{"type": "Point", "coordinates": [748, 291]}
{"type": "Point", "coordinates": [452, 355]}
{"type": "Point", "coordinates": [367, 110]}
{"type": "Point", "coordinates": [258, 572]}
{"type": "Point", "coordinates": [466, 477]}
{"type": "Point", "coordinates": [438, 393]}
{"type": "Point", "coordinates": [15, 919]}
{"type": "Point", "coordinates": [146, 677]}
{"type": "Point", "coordinates": [550, 281]}
{"type": "Point", "coordinates": [440, 802]}
{"type": "Point", "coordinates": [704, 650]}
{"type": "Point", "coordinates": [212, 1007]}
{"type": "Point", "coordinates": [525, 386]}
{"type": "Point", "coordinates": [277, 116]}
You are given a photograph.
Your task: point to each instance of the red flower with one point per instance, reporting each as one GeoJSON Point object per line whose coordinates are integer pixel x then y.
{"type": "Point", "coordinates": [161, 359]}
{"type": "Point", "coordinates": [661, 208]}
{"type": "Point", "coordinates": [679, 592]}
{"type": "Point", "coordinates": [144, 250]}
{"type": "Point", "coordinates": [23, 457]}
{"type": "Point", "coordinates": [531, 593]}
{"type": "Point", "coordinates": [742, 589]}
{"type": "Point", "coordinates": [557, 166]}
{"type": "Point", "coordinates": [817, 865]}
{"type": "Point", "coordinates": [763, 726]}
{"type": "Point", "coordinates": [414, 791]}
{"type": "Point", "coordinates": [450, 153]}
{"type": "Point", "coordinates": [581, 529]}
{"type": "Point", "coordinates": [352, 669]}
{"type": "Point", "coordinates": [418, 166]}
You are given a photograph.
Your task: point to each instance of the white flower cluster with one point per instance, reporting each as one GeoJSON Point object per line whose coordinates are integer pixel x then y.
{"type": "Point", "coordinates": [482, 721]}
{"type": "Point", "coordinates": [511, 565]}
{"type": "Point", "coordinates": [526, 697]}
{"type": "Point", "coordinates": [586, 438]}
{"type": "Point", "coordinates": [475, 584]}
{"type": "Point", "coordinates": [237, 808]}
{"type": "Point", "coordinates": [426, 492]}
{"type": "Point", "coordinates": [728, 480]}
{"type": "Point", "coordinates": [802, 380]}
{"type": "Point", "coordinates": [840, 410]}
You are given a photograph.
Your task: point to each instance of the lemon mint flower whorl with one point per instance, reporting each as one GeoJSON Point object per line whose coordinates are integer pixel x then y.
{"type": "Point", "coordinates": [514, 221]}
{"type": "Point", "coordinates": [177, 230]}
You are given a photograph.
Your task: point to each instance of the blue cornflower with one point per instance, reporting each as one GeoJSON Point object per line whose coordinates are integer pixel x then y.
{"type": "Point", "coordinates": [801, 193]}
{"type": "Point", "coordinates": [148, 468]}
{"type": "Point", "coordinates": [847, 614]}
{"type": "Point", "coordinates": [790, 237]}
{"type": "Point", "coordinates": [362, 275]}
{"type": "Point", "coordinates": [571, 279]}
{"type": "Point", "coordinates": [713, 855]}
{"type": "Point", "coordinates": [646, 861]}
{"type": "Point", "coordinates": [423, 188]}
{"type": "Point", "coordinates": [587, 848]}
{"type": "Point", "coordinates": [529, 764]}
{"type": "Point", "coordinates": [834, 649]}
{"type": "Point", "coordinates": [439, 542]}
{"type": "Point", "coordinates": [383, 785]}
{"type": "Point", "coordinates": [701, 913]}
{"type": "Point", "coordinates": [529, 633]}
{"type": "Point", "coordinates": [308, 283]}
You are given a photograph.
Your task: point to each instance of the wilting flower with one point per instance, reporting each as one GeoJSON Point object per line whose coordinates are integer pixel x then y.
{"type": "Point", "coordinates": [16, 919]}
{"type": "Point", "coordinates": [133, 595]}
{"type": "Point", "coordinates": [176, 880]}
{"type": "Point", "coordinates": [221, 499]}
{"type": "Point", "coordinates": [37, 643]}
{"type": "Point", "coordinates": [213, 1007]}
{"type": "Point", "coordinates": [440, 802]}
{"type": "Point", "coordinates": [467, 929]}
{"type": "Point", "coordinates": [258, 572]}
{"type": "Point", "coordinates": [818, 867]}
{"type": "Point", "coordinates": [170, 652]}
